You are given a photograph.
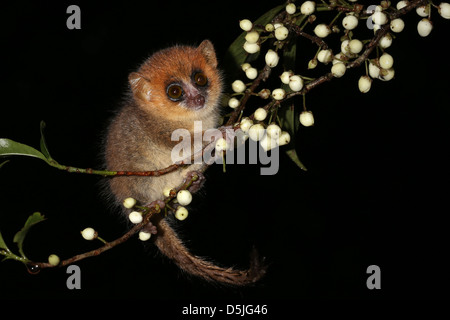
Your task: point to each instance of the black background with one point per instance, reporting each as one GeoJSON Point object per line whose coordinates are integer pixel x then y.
{"type": "Point", "coordinates": [376, 192]}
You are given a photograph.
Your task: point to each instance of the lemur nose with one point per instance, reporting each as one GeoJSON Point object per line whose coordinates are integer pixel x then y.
{"type": "Point", "coordinates": [199, 100]}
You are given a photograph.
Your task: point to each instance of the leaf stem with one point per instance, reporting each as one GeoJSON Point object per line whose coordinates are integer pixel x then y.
{"type": "Point", "coordinates": [10, 255]}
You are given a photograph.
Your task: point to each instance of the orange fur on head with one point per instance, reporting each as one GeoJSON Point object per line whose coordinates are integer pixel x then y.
{"type": "Point", "coordinates": [176, 64]}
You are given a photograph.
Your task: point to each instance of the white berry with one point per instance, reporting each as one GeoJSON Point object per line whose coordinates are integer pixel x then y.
{"type": "Point", "coordinates": [364, 84]}
{"type": "Point", "coordinates": [284, 139]}
{"type": "Point", "coordinates": [345, 47]}
{"type": "Point", "coordinates": [245, 124]}
{"type": "Point", "coordinates": [308, 7]}
{"type": "Point", "coordinates": [397, 25]}
{"type": "Point", "coordinates": [339, 58]}
{"type": "Point", "coordinates": [246, 25]}
{"type": "Point", "coordinates": [355, 46]}
{"type": "Point", "coordinates": [350, 22]}
{"type": "Point", "coordinates": [260, 114]}
{"type": "Point", "coordinates": [264, 93]}
{"type": "Point", "coordinates": [221, 145]}
{"type": "Point", "coordinates": [268, 143]}
{"type": "Point", "coordinates": [312, 63]}
{"type": "Point", "coordinates": [379, 18]}
{"type": "Point", "coordinates": [322, 30]}
{"type": "Point", "coordinates": [135, 217]}
{"type": "Point", "coordinates": [252, 37]}
{"type": "Point", "coordinates": [386, 41]}
{"type": "Point", "coordinates": [278, 94]}
{"type": "Point", "coordinates": [285, 76]}
{"type": "Point", "coordinates": [338, 69]}
{"type": "Point", "coordinates": [444, 10]}
{"type": "Point", "coordinates": [238, 86]}
{"type": "Point", "coordinates": [402, 4]}
{"type": "Point", "coordinates": [144, 236]}
{"type": "Point", "coordinates": [277, 25]}
{"type": "Point", "coordinates": [424, 27]}
{"type": "Point", "coordinates": [89, 234]}
{"type": "Point", "coordinates": [272, 58]}
{"type": "Point", "coordinates": [281, 33]}
{"type": "Point", "coordinates": [291, 8]}
{"type": "Point", "coordinates": [386, 61]}
{"type": "Point", "coordinates": [423, 11]}
{"type": "Point", "coordinates": [269, 27]}
{"type": "Point", "coordinates": [325, 56]}
{"type": "Point", "coordinates": [374, 71]}
{"type": "Point", "coordinates": [129, 203]}
{"type": "Point", "coordinates": [251, 73]}
{"type": "Point", "coordinates": [184, 197]}
{"type": "Point", "coordinates": [233, 103]}
{"type": "Point", "coordinates": [386, 75]}
{"type": "Point", "coordinates": [306, 118]}
{"type": "Point", "coordinates": [241, 137]}
{"type": "Point", "coordinates": [53, 259]}
{"type": "Point", "coordinates": [256, 132]}
{"type": "Point", "coordinates": [251, 47]}
{"type": "Point", "coordinates": [181, 213]}
{"type": "Point", "coordinates": [273, 131]}
{"type": "Point", "coordinates": [295, 83]}
{"type": "Point", "coordinates": [166, 191]}
{"type": "Point", "coordinates": [245, 66]}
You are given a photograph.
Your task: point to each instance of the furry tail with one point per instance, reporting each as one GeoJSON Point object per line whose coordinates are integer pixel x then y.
{"type": "Point", "coordinates": [170, 245]}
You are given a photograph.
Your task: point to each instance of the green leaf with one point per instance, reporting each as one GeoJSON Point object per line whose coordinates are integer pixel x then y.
{"type": "Point", "coordinates": [236, 55]}
{"type": "Point", "coordinates": [3, 244]}
{"type": "Point", "coordinates": [289, 55]}
{"type": "Point", "coordinates": [20, 236]}
{"type": "Point", "coordinates": [289, 122]}
{"type": "Point", "coordinates": [287, 114]}
{"type": "Point", "coordinates": [44, 148]}
{"type": "Point", "coordinates": [294, 157]}
{"type": "Point", "coordinates": [11, 148]}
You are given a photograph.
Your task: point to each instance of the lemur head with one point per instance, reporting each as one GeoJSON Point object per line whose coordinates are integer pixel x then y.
{"type": "Point", "coordinates": [179, 83]}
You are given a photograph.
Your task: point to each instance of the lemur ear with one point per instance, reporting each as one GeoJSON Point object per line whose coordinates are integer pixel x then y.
{"type": "Point", "coordinates": [139, 85]}
{"type": "Point", "coordinates": [207, 49]}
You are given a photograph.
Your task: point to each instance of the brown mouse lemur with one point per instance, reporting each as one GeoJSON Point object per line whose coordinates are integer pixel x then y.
{"type": "Point", "coordinates": [170, 90]}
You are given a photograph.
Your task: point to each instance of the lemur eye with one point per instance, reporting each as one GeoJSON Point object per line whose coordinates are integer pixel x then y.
{"type": "Point", "coordinates": [174, 92]}
{"type": "Point", "coordinates": [200, 79]}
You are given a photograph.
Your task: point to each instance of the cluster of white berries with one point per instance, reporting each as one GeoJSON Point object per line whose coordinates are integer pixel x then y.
{"type": "Point", "coordinates": [269, 137]}
{"type": "Point", "coordinates": [380, 68]}
{"type": "Point", "coordinates": [272, 136]}
{"type": "Point", "coordinates": [184, 198]}
{"type": "Point", "coordinates": [134, 216]}
{"type": "Point", "coordinates": [252, 42]}
{"type": "Point", "coordinates": [425, 26]}
{"type": "Point", "coordinates": [351, 48]}
{"type": "Point", "coordinates": [294, 81]}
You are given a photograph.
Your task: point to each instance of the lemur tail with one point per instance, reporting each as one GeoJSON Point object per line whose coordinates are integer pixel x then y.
{"type": "Point", "coordinates": [171, 245]}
